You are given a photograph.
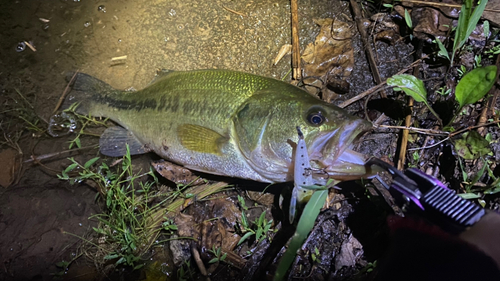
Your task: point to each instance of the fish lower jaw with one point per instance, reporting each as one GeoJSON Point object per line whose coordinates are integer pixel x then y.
{"type": "Point", "coordinates": [349, 165]}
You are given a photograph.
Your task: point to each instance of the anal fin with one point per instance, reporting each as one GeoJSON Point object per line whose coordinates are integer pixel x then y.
{"type": "Point", "coordinates": [114, 140]}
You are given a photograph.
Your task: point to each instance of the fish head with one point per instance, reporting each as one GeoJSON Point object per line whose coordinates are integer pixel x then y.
{"type": "Point", "coordinates": [266, 134]}
{"type": "Point", "coordinates": [330, 134]}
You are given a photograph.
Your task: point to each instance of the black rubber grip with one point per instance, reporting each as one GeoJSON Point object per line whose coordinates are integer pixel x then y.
{"type": "Point", "coordinates": [451, 206]}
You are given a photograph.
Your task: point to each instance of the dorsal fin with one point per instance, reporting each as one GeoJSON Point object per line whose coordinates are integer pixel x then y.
{"type": "Point", "coordinates": [160, 73]}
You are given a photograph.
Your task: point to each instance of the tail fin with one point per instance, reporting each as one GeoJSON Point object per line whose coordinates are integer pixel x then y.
{"type": "Point", "coordinates": [86, 91]}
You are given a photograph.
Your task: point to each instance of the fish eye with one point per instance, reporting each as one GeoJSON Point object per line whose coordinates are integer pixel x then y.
{"type": "Point", "coordinates": [315, 118]}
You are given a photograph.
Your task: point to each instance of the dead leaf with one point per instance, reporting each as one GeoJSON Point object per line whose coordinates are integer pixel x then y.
{"type": "Point", "coordinates": [11, 165]}
{"type": "Point", "coordinates": [350, 252]}
{"type": "Point", "coordinates": [285, 50]}
{"type": "Point", "coordinates": [176, 173]}
{"type": "Point", "coordinates": [492, 15]}
{"type": "Point", "coordinates": [181, 248]}
{"type": "Point", "coordinates": [331, 55]}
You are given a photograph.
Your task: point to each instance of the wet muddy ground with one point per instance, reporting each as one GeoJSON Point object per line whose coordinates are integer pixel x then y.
{"type": "Point", "coordinates": [124, 43]}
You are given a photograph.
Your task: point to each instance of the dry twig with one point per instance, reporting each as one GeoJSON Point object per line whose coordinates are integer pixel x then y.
{"type": "Point", "coordinates": [37, 159]}
{"type": "Point", "coordinates": [490, 104]}
{"type": "Point", "coordinates": [295, 41]}
{"type": "Point", "coordinates": [436, 4]}
{"type": "Point", "coordinates": [234, 12]}
{"type": "Point", "coordinates": [368, 49]}
{"type": "Point", "coordinates": [30, 46]}
{"type": "Point", "coordinates": [437, 132]}
{"type": "Point", "coordinates": [66, 90]}
{"type": "Point", "coordinates": [379, 86]}
{"type": "Point", "coordinates": [431, 132]}
{"type": "Point", "coordinates": [404, 138]}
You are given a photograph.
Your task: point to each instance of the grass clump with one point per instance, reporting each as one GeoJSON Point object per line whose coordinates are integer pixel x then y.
{"type": "Point", "coordinates": [124, 232]}
{"type": "Point", "coordinates": [260, 227]}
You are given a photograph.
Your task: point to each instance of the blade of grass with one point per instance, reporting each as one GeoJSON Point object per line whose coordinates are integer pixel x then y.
{"type": "Point", "coordinates": [305, 225]}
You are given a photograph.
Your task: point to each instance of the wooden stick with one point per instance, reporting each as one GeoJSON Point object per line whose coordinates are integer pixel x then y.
{"type": "Point", "coordinates": [404, 138]}
{"type": "Point", "coordinates": [66, 91]}
{"type": "Point", "coordinates": [368, 49]}
{"type": "Point", "coordinates": [30, 46]}
{"type": "Point", "coordinates": [234, 12]}
{"type": "Point", "coordinates": [295, 41]}
{"type": "Point", "coordinates": [473, 127]}
{"type": "Point", "coordinates": [443, 5]}
{"type": "Point", "coordinates": [197, 259]}
{"type": "Point", "coordinates": [37, 159]}
{"type": "Point", "coordinates": [379, 86]}
{"type": "Point", "coordinates": [431, 132]}
{"type": "Point", "coordinates": [489, 106]}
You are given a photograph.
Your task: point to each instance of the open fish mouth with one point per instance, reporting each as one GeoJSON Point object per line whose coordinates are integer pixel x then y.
{"type": "Point", "coordinates": [332, 152]}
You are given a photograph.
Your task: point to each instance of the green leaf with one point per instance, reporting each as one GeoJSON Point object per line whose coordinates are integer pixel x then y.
{"type": "Point", "coordinates": [138, 266]}
{"type": "Point", "coordinates": [442, 50]}
{"type": "Point", "coordinates": [77, 142]}
{"type": "Point", "coordinates": [465, 12]}
{"type": "Point", "coordinates": [268, 226]}
{"type": "Point", "coordinates": [70, 168]}
{"type": "Point", "coordinates": [408, 19]}
{"type": "Point", "coordinates": [314, 187]}
{"type": "Point", "coordinates": [242, 202]}
{"type": "Point", "coordinates": [474, 18]}
{"type": "Point", "coordinates": [411, 85]}
{"type": "Point", "coordinates": [469, 195]}
{"type": "Point", "coordinates": [245, 237]}
{"type": "Point", "coordinates": [120, 261]}
{"type": "Point", "coordinates": [244, 220]}
{"type": "Point", "coordinates": [90, 162]}
{"type": "Point", "coordinates": [109, 198]}
{"type": "Point", "coordinates": [467, 22]}
{"type": "Point", "coordinates": [262, 217]}
{"type": "Point", "coordinates": [214, 260]}
{"type": "Point", "coordinates": [111, 256]}
{"type": "Point", "coordinates": [98, 230]}
{"type": "Point", "coordinates": [475, 85]}
{"type": "Point", "coordinates": [63, 176]}
{"type": "Point", "coordinates": [258, 234]}
{"type": "Point", "coordinates": [472, 146]}
{"type": "Point", "coordinates": [492, 190]}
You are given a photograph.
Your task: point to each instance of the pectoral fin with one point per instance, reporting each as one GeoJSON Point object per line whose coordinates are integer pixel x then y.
{"type": "Point", "coordinates": [114, 140]}
{"type": "Point", "coordinates": [201, 139]}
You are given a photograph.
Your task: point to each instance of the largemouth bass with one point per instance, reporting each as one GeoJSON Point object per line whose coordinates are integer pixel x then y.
{"type": "Point", "coordinates": [226, 123]}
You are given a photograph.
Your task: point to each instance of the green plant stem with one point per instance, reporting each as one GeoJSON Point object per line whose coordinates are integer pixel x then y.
{"type": "Point", "coordinates": [435, 114]}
